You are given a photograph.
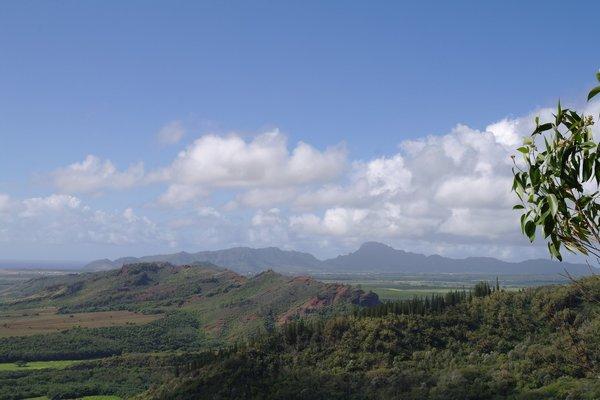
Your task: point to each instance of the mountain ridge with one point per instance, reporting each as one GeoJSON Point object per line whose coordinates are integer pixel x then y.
{"type": "Point", "coordinates": [369, 257]}
{"type": "Point", "coordinates": [224, 303]}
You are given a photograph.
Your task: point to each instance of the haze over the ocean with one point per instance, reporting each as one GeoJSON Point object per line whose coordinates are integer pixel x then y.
{"type": "Point", "coordinates": [141, 128]}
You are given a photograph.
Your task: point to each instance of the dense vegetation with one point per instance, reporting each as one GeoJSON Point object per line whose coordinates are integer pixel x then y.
{"type": "Point", "coordinates": [123, 376]}
{"type": "Point", "coordinates": [177, 331]}
{"type": "Point", "coordinates": [533, 344]}
{"type": "Point", "coordinates": [295, 339]}
{"type": "Point", "coordinates": [199, 307]}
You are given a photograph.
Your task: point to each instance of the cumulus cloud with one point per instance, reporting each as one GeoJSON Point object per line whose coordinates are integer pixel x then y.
{"type": "Point", "coordinates": [93, 175]}
{"type": "Point", "coordinates": [65, 219]}
{"type": "Point", "coordinates": [178, 195]}
{"type": "Point", "coordinates": [171, 133]}
{"type": "Point", "coordinates": [261, 198]}
{"type": "Point", "coordinates": [269, 228]}
{"type": "Point", "coordinates": [55, 203]}
{"type": "Point", "coordinates": [445, 193]}
{"type": "Point", "coordinates": [438, 186]}
{"type": "Point", "coordinates": [214, 161]}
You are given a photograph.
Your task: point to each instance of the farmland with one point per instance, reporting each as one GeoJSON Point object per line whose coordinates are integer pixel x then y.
{"type": "Point", "coordinates": [47, 320]}
{"type": "Point", "coordinates": [35, 365]}
{"type": "Point", "coordinates": [406, 286]}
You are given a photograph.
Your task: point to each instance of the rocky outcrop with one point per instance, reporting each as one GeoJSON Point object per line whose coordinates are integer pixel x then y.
{"type": "Point", "coordinates": [334, 295]}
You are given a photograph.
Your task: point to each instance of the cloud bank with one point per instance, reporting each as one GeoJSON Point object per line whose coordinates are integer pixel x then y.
{"type": "Point", "coordinates": [447, 193]}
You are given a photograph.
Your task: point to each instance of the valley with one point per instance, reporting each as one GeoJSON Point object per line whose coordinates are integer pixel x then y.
{"type": "Point", "coordinates": [156, 323]}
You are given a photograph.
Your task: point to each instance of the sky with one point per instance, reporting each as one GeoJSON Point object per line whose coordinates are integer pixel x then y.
{"type": "Point", "coordinates": [145, 127]}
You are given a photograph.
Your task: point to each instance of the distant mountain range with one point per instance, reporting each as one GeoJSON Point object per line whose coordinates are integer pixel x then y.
{"type": "Point", "coordinates": [370, 257]}
{"type": "Point", "coordinates": [243, 260]}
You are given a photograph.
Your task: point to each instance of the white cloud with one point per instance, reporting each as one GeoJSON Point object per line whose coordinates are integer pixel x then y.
{"type": "Point", "coordinates": [476, 191]}
{"type": "Point", "coordinates": [490, 224]}
{"type": "Point", "coordinates": [65, 219]}
{"type": "Point", "coordinates": [5, 202]}
{"type": "Point", "coordinates": [178, 195]}
{"type": "Point", "coordinates": [171, 133]}
{"type": "Point", "coordinates": [231, 162]}
{"type": "Point", "coordinates": [37, 206]}
{"type": "Point", "coordinates": [268, 228]}
{"type": "Point", "coordinates": [206, 211]}
{"type": "Point", "coordinates": [260, 198]}
{"type": "Point", "coordinates": [456, 185]}
{"type": "Point", "coordinates": [437, 193]}
{"type": "Point", "coordinates": [94, 174]}
{"type": "Point", "coordinates": [388, 176]}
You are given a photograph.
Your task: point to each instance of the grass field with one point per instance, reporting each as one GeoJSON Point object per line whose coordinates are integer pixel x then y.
{"type": "Point", "coordinates": [35, 321]}
{"type": "Point", "coordinates": [33, 365]}
{"type": "Point", "coordinates": [401, 286]}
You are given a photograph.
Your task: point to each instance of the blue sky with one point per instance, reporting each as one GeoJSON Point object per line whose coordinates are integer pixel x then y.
{"type": "Point", "coordinates": [360, 83]}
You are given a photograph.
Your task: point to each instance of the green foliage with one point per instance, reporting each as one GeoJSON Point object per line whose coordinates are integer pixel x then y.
{"type": "Point", "coordinates": [482, 289]}
{"type": "Point", "coordinates": [533, 344]}
{"type": "Point", "coordinates": [561, 161]}
{"type": "Point", "coordinates": [432, 304]}
{"type": "Point", "coordinates": [435, 303]}
{"type": "Point", "coordinates": [177, 331]}
{"type": "Point", "coordinates": [101, 379]}
{"type": "Point", "coordinates": [34, 365]}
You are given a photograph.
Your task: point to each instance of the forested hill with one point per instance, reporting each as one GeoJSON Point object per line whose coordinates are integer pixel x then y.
{"type": "Point", "coordinates": [539, 343]}
{"type": "Point", "coordinates": [370, 257]}
{"type": "Point", "coordinates": [224, 304]}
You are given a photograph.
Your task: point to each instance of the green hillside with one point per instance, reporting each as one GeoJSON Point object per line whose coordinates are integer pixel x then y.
{"type": "Point", "coordinates": [144, 287]}
{"type": "Point", "coordinates": [541, 343]}
{"type": "Point", "coordinates": [219, 335]}
{"type": "Point", "coordinates": [193, 307]}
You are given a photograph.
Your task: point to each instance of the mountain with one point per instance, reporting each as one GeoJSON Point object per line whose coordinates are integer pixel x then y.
{"type": "Point", "coordinates": [373, 256]}
{"type": "Point", "coordinates": [370, 257]}
{"type": "Point", "coordinates": [224, 303]}
{"type": "Point", "coordinates": [243, 260]}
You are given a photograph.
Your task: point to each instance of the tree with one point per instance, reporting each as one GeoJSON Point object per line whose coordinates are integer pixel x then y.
{"type": "Point", "coordinates": [557, 182]}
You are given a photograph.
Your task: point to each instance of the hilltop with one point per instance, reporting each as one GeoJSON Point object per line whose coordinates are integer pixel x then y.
{"type": "Point", "coordinates": [370, 257]}
{"type": "Point", "coordinates": [209, 304]}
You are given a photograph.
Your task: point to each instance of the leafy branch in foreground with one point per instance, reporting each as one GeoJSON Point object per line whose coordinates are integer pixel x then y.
{"type": "Point", "coordinates": [558, 182]}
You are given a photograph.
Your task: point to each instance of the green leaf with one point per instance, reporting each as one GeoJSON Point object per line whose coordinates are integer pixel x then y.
{"type": "Point", "coordinates": [518, 207]}
{"type": "Point", "coordinates": [593, 92]}
{"type": "Point", "coordinates": [523, 150]}
{"type": "Point", "coordinates": [542, 128]}
{"type": "Point", "coordinates": [553, 203]}
{"type": "Point", "coordinates": [530, 230]}
{"type": "Point", "coordinates": [549, 224]}
{"type": "Point", "coordinates": [554, 251]}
